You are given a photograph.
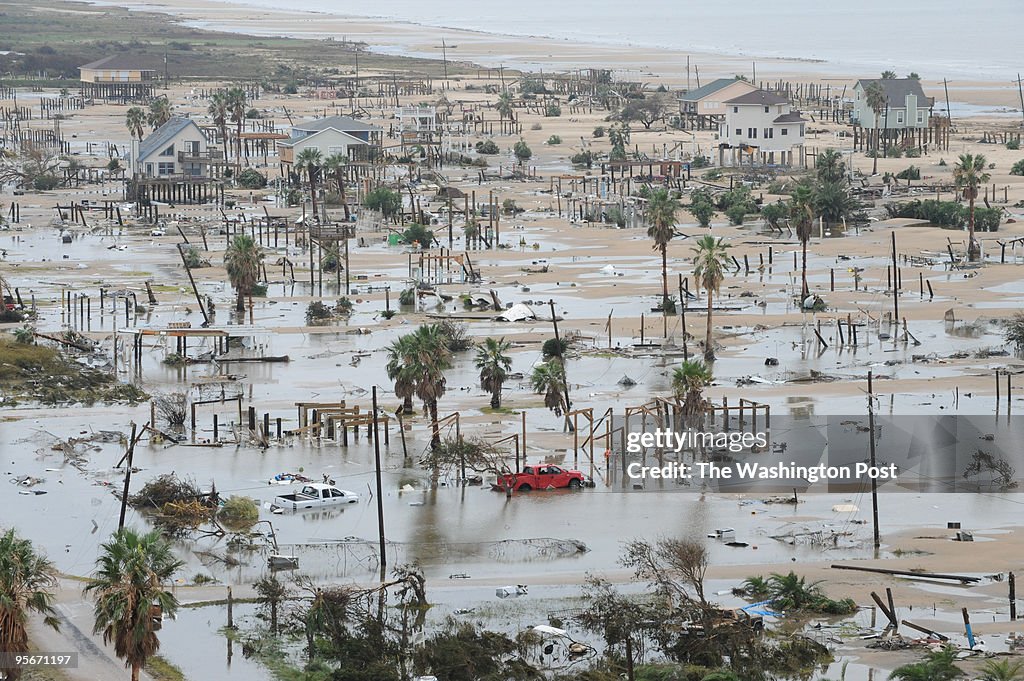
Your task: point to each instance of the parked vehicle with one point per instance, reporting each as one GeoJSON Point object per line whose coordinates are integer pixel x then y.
{"type": "Point", "coordinates": [315, 495]}
{"type": "Point", "coordinates": [542, 477]}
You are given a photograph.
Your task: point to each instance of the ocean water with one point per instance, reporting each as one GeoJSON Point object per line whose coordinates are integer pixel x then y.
{"type": "Point", "coordinates": [936, 38]}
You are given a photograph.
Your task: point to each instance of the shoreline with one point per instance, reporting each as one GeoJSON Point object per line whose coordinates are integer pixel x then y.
{"type": "Point", "coordinates": [492, 49]}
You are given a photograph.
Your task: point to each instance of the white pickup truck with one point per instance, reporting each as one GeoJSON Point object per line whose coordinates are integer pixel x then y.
{"type": "Point", "coordinates": [315, 495]}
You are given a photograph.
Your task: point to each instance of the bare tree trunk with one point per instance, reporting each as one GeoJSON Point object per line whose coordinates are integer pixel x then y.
{"type": "Point", "coordinates": [973, 247]}
{"type": "Point", "coordinates": [874, 169]}
{"type": "Point", "coordinates": [709, 349]}
{"type": "Point", "coordinates": [135, 672]}
{"type": "Point", "coordinates": [240, 305]}
{"type": "Point", "coordinates": [805, 290]}
{"type": "Point", "coordinates": [630, 675]}
{"type": "Point", "coordinates": [664, 278]}
{"type": "Point", "coordinates": [312, 191]}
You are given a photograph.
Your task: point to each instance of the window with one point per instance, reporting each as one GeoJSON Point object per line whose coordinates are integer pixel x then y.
{"type": "Point", "coordinates": [766, 109]}
{"type": "Point", "coordinates": [785, 131]}
{"type": "Point", "coordinates": [769, 133]}
{"type": "Point", "coordinates": [149, 168]}
{"type": "Point", "coordinates": [739, 132]}
{"type": "Point", "coordinates": [169, 151]}
{"type": "Point", "coordinates": [920, 117]}
{"type": "Point", "coordinates": [735, 109]}
{"type": "Point", "coordinates": [165, 168]}
{"type": "Point", "coordinates": [752, 133]}
{"type": "Point", "coordinates": [899, 118]}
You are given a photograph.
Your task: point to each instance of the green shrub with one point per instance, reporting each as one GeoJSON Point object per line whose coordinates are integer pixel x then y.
{"type": "Point", "coordinates": [554, 347]}
{"type": "Point", "coordinates": [700, 161]}
{"type": "Point", "coordinates": [317, 312]}
{"type": "Point", "coordinates": [911, 173]}
{"type": "Point", "coordinates": [250, 178]}
{"type": "Point", "coordinates": [894, 152]}
{"type": "Point", "coordinates": [418, 234]}
{"type": "Point", "coordinates": [598, 131]}
{"type": "Point", "coordinates": [554, 139]}
{"type": "Point", "coordinates": [912, 152]}
{"type": "Point", "coordinates": [1018, 168]}
{"type": "Point", "coordinates": [239, 513]}
{"type": "Point", "coordinates": [987, 219]}
{"type": "Point", "coordinates": [736, 213]}
{"type": "Point", "coordinates": [486, 147]}
{"type": "Point", "coordinates": [385, 200]}
{"type": "Point", "coordinates": [941, 213]}
{"type": "Point", "coordinates": [45, 182]}
{"type": "Point", "coordinates": [1013, 145]}
{"type": "Point", "coordinates": [584, 158]}
{"type": "Point", "coordinates": [522, 151]}
{"type": "Point", "coordinates": [552, 111]}
{"type": "Point", "coordinates": [113, 164]}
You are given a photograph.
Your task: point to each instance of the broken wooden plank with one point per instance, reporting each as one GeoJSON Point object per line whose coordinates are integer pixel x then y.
{"type": "Point", "coordinates": [925, 630]}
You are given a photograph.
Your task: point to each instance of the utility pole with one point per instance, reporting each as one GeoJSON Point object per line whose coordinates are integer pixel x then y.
{"type": "Point", "coordinates": [380, 496]}
{"type": "Point", "coordinates": [127, 478]}
{"type": "Point", "coordinates": [874, 482]}
{"type": "Point", "coordinates": [561, 358]}
{"type": "Point", "coordinates": [1020, 91]}
{"type": "Point", "coordinates": [444, 56]}
{"type": "Point", "coordinates": [682, 316]}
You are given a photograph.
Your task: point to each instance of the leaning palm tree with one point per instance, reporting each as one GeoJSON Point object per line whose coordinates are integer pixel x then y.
{"type": "Point", "coordinates": [242, 260]}
{"type": "Point", "coordinates": [1002, 670]}
{"type": "Point", "coordinates": [969, 174]}
{"type": "Point", "coordinates": [128, 589]}
{"type": "Point", "coordinates": [310, 160]}
{"type": "Point", "coordinates": [494, 366]}
{"type": "Point", "coordinates": [236, 101]}
{"type": "Point", "coordinates": [661, 215]}
{"type": "Point", "coordinates": [218, 110]}
{"type": "Point", "coordinates": [27, 581]}
{"type": "Point", "coordinates": [874, 94]}
{"type": "Point", "coordinates": [548, 379]}
{"type": "Point", "coordinates": [688, 382]}
{"type": "Point", "coordinates": [335, 164]}
{"type": "Point", "coordinates": [801, 217]}
{"type": "Point", "coordinates": [429, 361]}
{"type": "Point", "coordinates": [398, 367]}
{"type": "Point", "coordinates": [710, 261]}
{"type": "Point", "coordinates": [159, 112]}
{"type": "Point", "coordinates": [135, 119]}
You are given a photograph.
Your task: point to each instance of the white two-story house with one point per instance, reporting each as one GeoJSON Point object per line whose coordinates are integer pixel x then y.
{"type": "Point", "coordinates": [176, 148]}
{"type": "Point", "coordinates": [763, 127]}
{"type": "Point", "coordinates": [907, 105]}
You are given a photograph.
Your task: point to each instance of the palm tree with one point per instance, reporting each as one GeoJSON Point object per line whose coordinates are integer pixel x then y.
{"type": "Point", "coordinates": [830, 167]}
{"type": "Point", "coordinates": [710, 261]}
{"type": "Point", "coordinates": [494, 365]}
{"type": "Point", "coordinates": [661, 214]}
{"type": "Point", "coordinates": [429, 360]}
{"type": "Point", "coordinates": [242, 260]}
{"type": "Point", "coordinates": [159, 112]}
{"type": "Point", "coordinates": [937, 665]}
{"type": "Point", "coordinates": [335, 163]}
{"type": "Point", "coordinates": [310, 160]}
{"type": "Point", "coordinates": [236, 101]}
{"type": "Point", "coordinates": [801, 217]}
{"type": "Point", "coordinates": [548, 378]}
{"type": "Point", "coordinates": [135, 119]}
{"type": "Point", "coordinates": [969, 174]}
{"type": "Point", "coordinates": [398, 368]}
{"type": "Point", "coordinates": [218, 110]}
{"type": "Point", "coordinates": [688, 382]}
{"type": "Point", "coordinates": [504, 106]}
{"type": "Point", "coordinates": [1002, 670]}
{"type": "Point", "coordinates": [791, 592]}
{"type": "Point", "coordinates": [128, 586]}
{"type": "Point", "coordinates": [27, 580]}
{"type": "Point", "coordinates": [874, 94]}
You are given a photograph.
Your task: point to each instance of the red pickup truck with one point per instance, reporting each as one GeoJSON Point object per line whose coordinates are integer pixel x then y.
{"type": "Point", "coordinates": [542, 477]}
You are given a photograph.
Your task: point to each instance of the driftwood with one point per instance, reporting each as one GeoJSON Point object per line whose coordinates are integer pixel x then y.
{"type": "Point", "coordinates": [71, 344]}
